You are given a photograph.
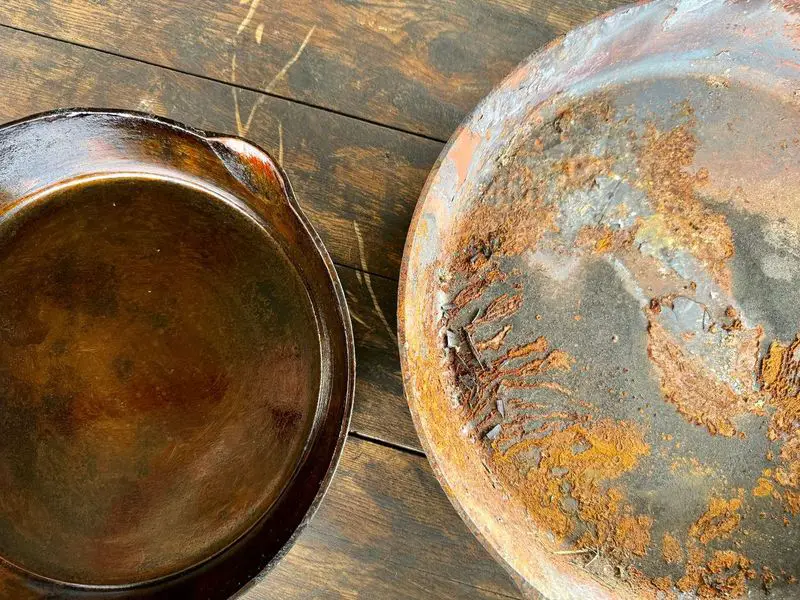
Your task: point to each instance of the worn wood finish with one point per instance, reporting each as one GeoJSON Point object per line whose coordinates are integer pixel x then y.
{"type": "Point", "coordinates": [418, 66]}
{"type": "Point", "coordinates": [347, 173]}
{"type": "Point", "coordinates": [385, 530]}
{"type": "Point", "coordinates": [380, 409]}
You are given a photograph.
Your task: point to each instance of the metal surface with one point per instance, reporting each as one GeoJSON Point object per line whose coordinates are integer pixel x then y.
{"type": "Point", "coordinates": [599, 307]}
{"type": "Point", "coordinates": [176, 360]}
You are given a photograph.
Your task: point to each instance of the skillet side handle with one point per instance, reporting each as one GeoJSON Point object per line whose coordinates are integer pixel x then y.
{"type": "Point", "coordinates": [253, 168]}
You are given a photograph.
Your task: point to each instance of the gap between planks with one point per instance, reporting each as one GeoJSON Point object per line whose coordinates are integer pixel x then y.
{"type": "Point", "coordinates": [239, 86]}
{"type": "Point", "coordinates": [366, 272]}
{"type": "Point", "coordinates": [391, 445]}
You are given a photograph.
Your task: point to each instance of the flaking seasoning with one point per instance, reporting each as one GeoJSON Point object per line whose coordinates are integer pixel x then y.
{"type": "Point", "coordinates": [563, 462]}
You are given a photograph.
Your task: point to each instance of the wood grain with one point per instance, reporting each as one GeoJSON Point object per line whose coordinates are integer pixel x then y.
{"type": "Point", "coordinates": [385, 530]}
{"type": "Point", "coordinates": [341, 178]}
{"type": "Point", "coordinates": [418, 66]}
{"type": "Point", "coordinates": [346, 173]}
{"type": "Point", "coordinates": [380, 411]}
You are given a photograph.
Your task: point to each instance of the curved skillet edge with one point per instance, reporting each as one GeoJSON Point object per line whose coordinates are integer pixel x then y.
{"type": "Point", "coordinates": [75, 143]}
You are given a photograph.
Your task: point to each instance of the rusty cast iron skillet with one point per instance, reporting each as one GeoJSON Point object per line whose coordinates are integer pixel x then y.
{"type": "Point", "coordinates": [176, 360]}
{"type": "Point", "coordinates": [599, 308]}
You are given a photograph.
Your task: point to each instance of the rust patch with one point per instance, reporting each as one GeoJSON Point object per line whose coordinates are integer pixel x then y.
{"type": "Point", "coordinates": [671, 549]}
{"type": "Point", "coordinates": [763, 488]}
{"type": "Point", "coordinates": [780, 375]}
{"type": "Point", "coordinates": [663, 162]}
{"type": "Point", "coordinates": [780, 379]}
{"type": "Point", "coordinates": [609, 449]}
{"type": "Point", "coordinates": [516, 231]}
{"type": "Point", "coordinates": [500, 308]}
{"type": "Point", "coordinates": [578, 172]}
{"type": "Point", "coordinates": [651, 223]}
{"type": "Point", "coordinates": [663, 583]}
{"type": "Point", "coordinates": [719, 521]}
{"type": "Point", "coordinates": [726, 574]}
{"type": "Point", "coordinates": [475, 289]}
{"type": "Point", "coordinates": [537, 346]}
{"type": "Point", "coordinates": [697, 394]}
{"type": "Point", "coordinates": [603, 239]}
{"type": "Point", "coordinates": [496, 341]}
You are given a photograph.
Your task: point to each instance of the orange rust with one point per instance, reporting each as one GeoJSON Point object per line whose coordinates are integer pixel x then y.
{"type": "Point", "coordinates": [611, 449]}
{"type": "Point", "coordinates": [503, 230]}
{"type": "Point", "coordinates": [536, 346]}
{"type": "Point", "coordinates": [663, 163]}
{"type": "Point", "coordinates": [475, 289]}
{"type": "Point", "coordinates": [633, 534]}
{"type": "Point", "coordinates": [603, 518]}
{"type": "Point", "coordinates": [512, 214]}
{"type": "Point", "coordinates": [560, 360]}
{"type": "Point", "coordinates": [788, 473]}
{"type": "Point", "coordinates": [663, 583]}
{"type": "Point", "coordinates": [772, 365]}
{"type": "Point", "coordinates": [500, 308]}
{"type": "Point", "coordinates": [557, 360]}
{"type": "Point", "coordinates": [763, 489]}
{"type": "Point", "coordinates": [725, 575]}
{"type": "Point", "coordinates": [697, 394]}
{"type": "Point", "coordinates": [780, 380]}
{"type": "Point", "coordinates": [727, 572]}
{"type": "Point", "coordinates": [768, 579]}
{"type": "Point", "coordinates": [671, 549]}
{"type": "Point", "coordinates": [692, 578]}
{"type": "Point", "coordinates": [780, 374]}
{"type": "Point", "coordinates": [576, 172]}
{"type": "Point", "coordinates": [792, 502]}
{"type": "Point", "coordinates": [494, 342]}
{"type": "Point", "coordinates": [600, 239]}
{"type": "Point", "coordinates": [719, 521]}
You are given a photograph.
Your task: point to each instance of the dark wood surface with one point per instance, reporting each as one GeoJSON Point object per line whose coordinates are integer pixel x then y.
{"type": "Point", "coordinates": [355, 98]}
{"type": "Point", "coordinates": [412, 64]}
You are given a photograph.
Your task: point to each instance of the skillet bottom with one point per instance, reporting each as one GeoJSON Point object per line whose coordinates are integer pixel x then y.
{"type": "Point", "coordinates": [159, 377]}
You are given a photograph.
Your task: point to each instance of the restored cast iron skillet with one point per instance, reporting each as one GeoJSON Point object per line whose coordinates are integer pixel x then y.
{"type": "Point", "coordinates": [599, 308]}
{"type": "Point", "coordinates": [176, 360]}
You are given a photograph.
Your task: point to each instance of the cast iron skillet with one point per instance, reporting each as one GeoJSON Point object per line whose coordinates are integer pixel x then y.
{"type": "Point", "coordinates": [598, 308]}
{"type": "Point", "coordinates": [176, 360]}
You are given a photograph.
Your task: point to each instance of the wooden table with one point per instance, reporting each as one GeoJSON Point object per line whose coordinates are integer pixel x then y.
{"type": "Point", "coordinates": [356, 99]}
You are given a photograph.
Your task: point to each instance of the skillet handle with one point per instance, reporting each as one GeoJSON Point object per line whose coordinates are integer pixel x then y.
{"type": "Point", "coordinates": [253, 168]}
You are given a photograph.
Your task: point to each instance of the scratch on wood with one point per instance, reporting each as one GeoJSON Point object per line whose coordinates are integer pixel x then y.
{"type": "Point", "coordinates": [243, 128]}
{"type": "Point", "coordinates": [248, 16]}
{"type": "Point", "coordinates": [368, 281]}
{"type": "Point", "coordinates": [237, 114]}
{"type": "Point", "coordinates": [259, 33]}
{"type": "Point", "coordinates": [357, 319]}
{"type": "Point", "coordinates": [292, 60]}
{"type": "Point", "coordinates": [280, 144]}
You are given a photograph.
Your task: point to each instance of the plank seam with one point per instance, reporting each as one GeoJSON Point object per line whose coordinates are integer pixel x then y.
{"type": "Point", "coordinates": [239, 86]}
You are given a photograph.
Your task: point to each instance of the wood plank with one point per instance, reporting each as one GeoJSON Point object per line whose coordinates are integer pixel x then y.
{"type": "Point", "coordinates": [42, 74]}
{"type": "Point", "coordinates": [385, 530]}
{"type": "Point", "coordinates": [348, 174]}
{"type": "Point", "coordinates": [380, 410]}
{"type": "Point", "coordinates": [419, 66]}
